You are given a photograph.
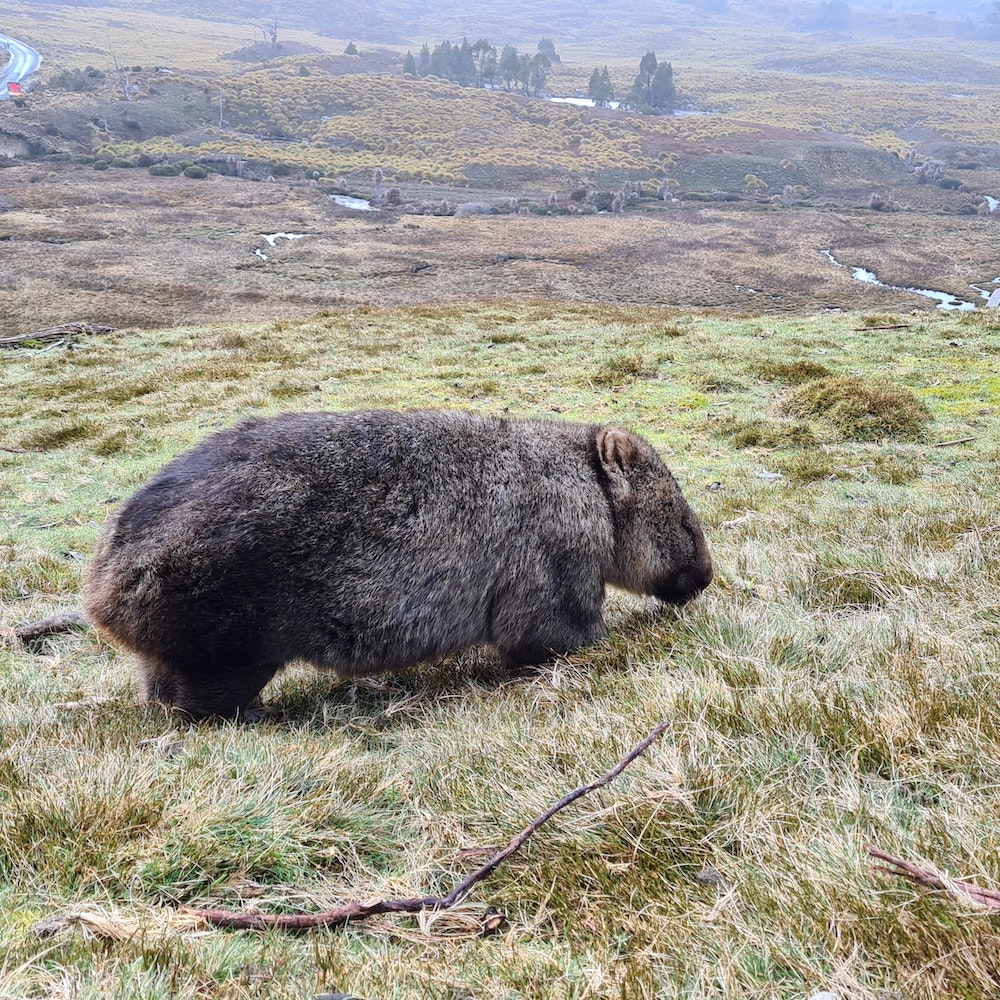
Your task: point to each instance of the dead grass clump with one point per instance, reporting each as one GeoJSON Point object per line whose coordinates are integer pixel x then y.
{"type": "Point", "coordinates": [811, 467]}
{"type": "Point", "coordinates": [766, 433]}
{"type": "Point", "coordinates": [896, 470]}
{"type": "Point", "coordinates": [834, 584]}
{"type": "Point", "coordinates": [230, 341]}
{"type": "Point", "coordinates": [879, 319]}
{"type": "Point", "coordinates": [621, 369]}
{"type": "Point", "coordinates": [861, 409]}
{"type": "Point", "coordinates": [789, 372]}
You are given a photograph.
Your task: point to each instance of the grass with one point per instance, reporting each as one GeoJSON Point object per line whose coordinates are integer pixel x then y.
{"type": "Point", "coordinates": [834, 688]}
{"type": "Point", "coordinates": [861, 410]}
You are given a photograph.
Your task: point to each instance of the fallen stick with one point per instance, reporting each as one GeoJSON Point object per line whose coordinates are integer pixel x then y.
{"type": "Point", "coordinates": [357, 910]}
{"type": "Point", "coordinates": [49, 626]}
{"type": "Point", "coordinates": [891, 326]}
{"type": "Point", "coordinates": [956, 888]}
{"type": "Point", "coordinates": [948, 444]}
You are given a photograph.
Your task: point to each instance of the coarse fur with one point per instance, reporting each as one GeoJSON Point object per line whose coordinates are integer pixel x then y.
{"type": "Point", "coordinates": [372, 540]}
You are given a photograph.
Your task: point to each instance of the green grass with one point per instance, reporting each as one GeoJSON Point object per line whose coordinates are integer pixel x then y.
{"type": "Point", "coordinates": [834, 688]}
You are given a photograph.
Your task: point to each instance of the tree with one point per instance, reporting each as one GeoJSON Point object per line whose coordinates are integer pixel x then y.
{"type": "Point", "coordinates": [409, 65]}
{"type": "Point", "coordinates": [523, 77]}
{"type": "Point", "coordinates": [441, 60]}
{"type": "Point", "coordinates": [490, 69]}
{"type": "Point", "coordinates": [599, 90]}
{"type": "Point", "coordinates": [662, 92]}
{"type": "Point", "coordinates": [463, 66]}
{"type": "Point", "coordinates": [548, 49]}
{"type": "Point", "coordinates": [538, 73]}
{"type": "Point", "coordinates": [508, 66]}
{"type": "Point", "coordinates": [351, 50]}
{"type": "Point", "coordinates": [643, 82]}
{"type": "Point", "coordinates": [424, 60]}
{"type": "Point", "coordinates": [482, 53]}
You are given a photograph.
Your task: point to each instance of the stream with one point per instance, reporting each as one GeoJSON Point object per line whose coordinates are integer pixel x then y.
{"type": "Point", "coordinates": [945, 300]}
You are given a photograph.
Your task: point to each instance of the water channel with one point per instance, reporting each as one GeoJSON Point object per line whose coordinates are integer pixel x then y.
{"type": "Point", "coordinates": [945, 300]}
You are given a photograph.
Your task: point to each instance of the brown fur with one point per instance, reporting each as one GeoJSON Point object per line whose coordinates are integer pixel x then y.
{"type": "Point", "coordinates": [373, 540]}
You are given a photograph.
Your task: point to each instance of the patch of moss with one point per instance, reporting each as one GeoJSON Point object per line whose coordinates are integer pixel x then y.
{"type": "Point", "coordinates": [861, 409]}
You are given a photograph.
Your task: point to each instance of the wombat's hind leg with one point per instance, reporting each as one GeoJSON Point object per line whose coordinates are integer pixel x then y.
{"type": "Point", "coordinates": [223, 692]}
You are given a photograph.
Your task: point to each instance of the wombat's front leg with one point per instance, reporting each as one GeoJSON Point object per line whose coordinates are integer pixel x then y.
{"type": "Point", "coordinates": [549, 638]}
{"type": "Point", "coordinates": [222, 692]}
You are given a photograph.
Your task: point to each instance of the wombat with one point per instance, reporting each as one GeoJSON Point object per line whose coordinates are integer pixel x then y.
{"type": "Point", "coordinates": [372, 540]}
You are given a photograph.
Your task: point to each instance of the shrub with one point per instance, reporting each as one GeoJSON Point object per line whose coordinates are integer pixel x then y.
{"type": "Point", "coordinates": [859, 409]}
{"type": "Point", "coordinates": [164, 170]}
{"type": "Point", "coordinates": [950, 183]}
{"type": "Point", "coordinates": [101, 164]}
{"type": "Point", "coordinates": [198, 173]}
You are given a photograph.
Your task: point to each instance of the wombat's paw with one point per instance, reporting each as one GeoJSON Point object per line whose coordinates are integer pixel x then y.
{"type": "Point", "coordinates": [259, 713]}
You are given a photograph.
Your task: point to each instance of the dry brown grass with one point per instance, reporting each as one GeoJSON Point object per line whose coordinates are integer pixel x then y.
{"type": "Point", "coordinates": [125, 249]}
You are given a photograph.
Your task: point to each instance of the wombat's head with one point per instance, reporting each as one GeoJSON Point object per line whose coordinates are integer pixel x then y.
{"type": "Point", "coordinates": [660, 548]}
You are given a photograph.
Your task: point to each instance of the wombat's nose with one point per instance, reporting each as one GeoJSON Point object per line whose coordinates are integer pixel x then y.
{"type": "Point", "coordinates": [686, 585]}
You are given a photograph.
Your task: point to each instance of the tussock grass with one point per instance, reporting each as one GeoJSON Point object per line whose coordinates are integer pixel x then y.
{"type": "Point", "coordinates": [835, 687]}
{"type": "Point", "coordinates": [861, 410]}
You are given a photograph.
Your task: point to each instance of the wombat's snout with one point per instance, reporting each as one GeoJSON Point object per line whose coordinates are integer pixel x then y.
{"type": "Point", "coordinates": [685, 585]}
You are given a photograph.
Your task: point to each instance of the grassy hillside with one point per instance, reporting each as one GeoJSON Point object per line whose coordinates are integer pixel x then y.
{"type": "Point", "coordinates": [834, 688]}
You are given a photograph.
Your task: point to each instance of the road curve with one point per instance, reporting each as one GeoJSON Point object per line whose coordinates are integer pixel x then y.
{"type": "Point", "coordinates": [23, 62]}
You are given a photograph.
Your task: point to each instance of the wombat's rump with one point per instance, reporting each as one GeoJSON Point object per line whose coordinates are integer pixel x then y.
{"type": "Point", "coordinates": [372, 540]}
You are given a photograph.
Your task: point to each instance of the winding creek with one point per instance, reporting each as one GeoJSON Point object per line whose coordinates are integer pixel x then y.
{"type": "Point", "coordinates": [945, 300]}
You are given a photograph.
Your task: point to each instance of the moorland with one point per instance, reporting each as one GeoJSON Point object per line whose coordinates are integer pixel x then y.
{"type": "Point", "coordinates": [834, 689]}
{"type": "Point", "coordinates": [878, 145]}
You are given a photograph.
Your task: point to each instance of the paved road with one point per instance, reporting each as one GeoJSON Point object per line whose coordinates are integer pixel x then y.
{"type": "Point", "coordinates": [23, 62]}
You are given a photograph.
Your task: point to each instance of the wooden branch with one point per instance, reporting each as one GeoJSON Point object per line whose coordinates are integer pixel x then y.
{"type": "Point", "coordinates": [956, 888]}
{"type": "Point", "coordinates": [49, 626]}
{"type": "Point", "coordinates": [357, 910]}
{"type": "Point", "coordinates": [948, 444]}
{"type": "Point", "coordinates": [891, 326]}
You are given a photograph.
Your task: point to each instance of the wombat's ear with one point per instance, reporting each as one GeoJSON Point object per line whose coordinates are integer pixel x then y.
{"type": "Point", "coordinates": [618, 450]}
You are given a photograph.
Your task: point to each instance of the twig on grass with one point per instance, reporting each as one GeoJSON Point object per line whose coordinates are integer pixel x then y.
{"type": "Point", "coordinates": [49, 626]}
{"type": "Point", "coordinates": [956, 888]}
{"type": "Point", "coordinates": [357, 910]}
{"type": "Point", "coordinates": [890, 326]}
{"type": "Point", "coordinates": [948, 444]}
